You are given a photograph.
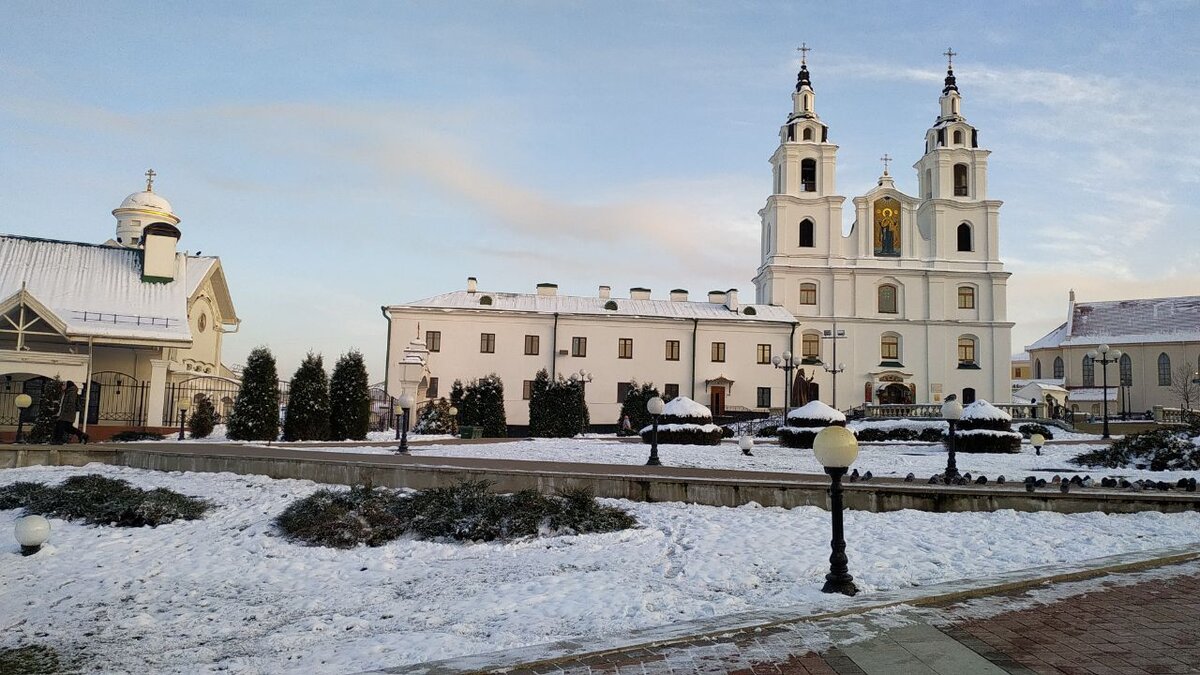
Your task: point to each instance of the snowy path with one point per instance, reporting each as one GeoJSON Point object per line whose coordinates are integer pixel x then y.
{"type": "Point", "coordinates": [226, 591]}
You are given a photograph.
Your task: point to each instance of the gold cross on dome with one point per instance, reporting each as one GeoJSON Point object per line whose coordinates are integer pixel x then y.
{"type": "Point", "coordinates": [885, 159]}
{"type": "Point", "coordinates": [150, 180]}
{"type": "Point", "coordinates": [949, 54]}
{"type": "Point", "coordinates": [804, 49]}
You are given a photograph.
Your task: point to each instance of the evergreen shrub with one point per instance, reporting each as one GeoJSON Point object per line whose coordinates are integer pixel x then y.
{"type": "Point", "coordinates": [307, 416]}
{"type": "Point", "coordinates": [435, 418]}
{"type": "Point", "coordinates": [255, 415]}
{"type": "Point", "coordinates": [349, 398]}
{"type": "Point", "coordinates": [805, 422]}
{"type": "Point", "coordinates": [100, 500]}
{"type": "Point", "coordinates": [480, 403]}
{"type": "Point", "coordinates": [134, 436]}
{"type": "Point", "coordinates": [1157, 450]}
{"type": "Point", "coordinates": [203, 418]}
{"type": "Point", "coordinates": [47, 412]}
{"type": "Point", "coordinates": [985, 428]}
{"type": "Point", "coordinates": [1030, 428]}
{"type": "Point", "coordinates": [684, 422]}
{"type": "Point", "coordinates": [634, 406]}
{"type": "Point", "coordinates": [556, 408]}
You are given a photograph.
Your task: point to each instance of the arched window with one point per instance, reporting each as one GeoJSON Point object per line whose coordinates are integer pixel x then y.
{"type": "Point", "coordinates": [966, 352]}
{"type": "Point", "coordinates": [966, 297]}
{"type": "Point", "coordinates": [1126, 366]}
{"type": "Point", "coordinates": [960, 180]}
{"type": "Point", "coordinates": [965, 242]}
{"type": "Point", "coordinates": [808, 294]}
{"type": "Point", "coordinates": [958, 137]}
{"type": "Point", "coordinates": [810, 348]}
{"type": "Point", "coordinates": [808, 175]}
{"type": "Point", "coordinates": [887, 299]}
{"type": "Point", "coordinates": [808, 133]}
{"type": "Point", "coordinates": [1164, 370]}
{"type": "Point", "coordinates": [968, 395]}
{"type": "Point", "coordinates": [806, 234]}
{"type": "Point", "coordinates": [889, 347]}
{"type": "Point", "coordinates": [1037, 369]}
{"type": "Point", "coordinates": [1089, 371]}
{"type": "Point", "coordinates": [1058, 368]}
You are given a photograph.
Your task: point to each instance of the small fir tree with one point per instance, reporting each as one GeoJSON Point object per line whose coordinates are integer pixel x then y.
{"type": "Point", "coordinates": [349, 398]}
{"type": "Point", "coordinates": [540, 413]}
{"type": "Point", "coordinates": [307, 417]}
{"type": "Point", "coordinates": [47, 412]}
{"type": "Point", "coordinates": [255, 415]}
{"type": "Point", "coordinates": [458, 393]}
{"type": "Point", "coordinates": [556, 409]}
{"type": "Point", "coordinates": [204, 417]}
{"type": "Point", "coordinates": [634, 406]}
{"type": "Point", "coordinates": [435, 418]}
{"type": "Point", "coordinates": [489, 405]}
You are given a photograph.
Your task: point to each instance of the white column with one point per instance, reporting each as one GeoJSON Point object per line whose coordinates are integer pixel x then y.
{"type": "Point", "coordinates": [158, 392]}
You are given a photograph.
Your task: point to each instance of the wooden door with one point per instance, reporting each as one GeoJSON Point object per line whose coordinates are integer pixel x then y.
{"type": "Point", "coordinates": [717, 400]}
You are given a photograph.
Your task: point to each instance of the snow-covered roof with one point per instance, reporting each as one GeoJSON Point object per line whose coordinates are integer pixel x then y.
{"type": "Point", "coordinates": [96, 290]}
{"type": "Point", "coordinates": [1128, 321]}
{"type": "Point", "coordinates": [198, 267]}
{"type": "Point", "coordinates": [682, 406]}
{"type": "Point", "coordinates": [1091, 394]}
{"type": "Point", "coordinates": [146, 200]}
{"type": "Point", "coordinates": [982, 410]}
{"type": "Point", "coordinates": [1052, 339]}
{"type": "Point", "coordinates": [816, 410]}
{"type": "Point", "coordinates": [1020, 358]}
{"type": "Point", "coordinates": [573, 304]}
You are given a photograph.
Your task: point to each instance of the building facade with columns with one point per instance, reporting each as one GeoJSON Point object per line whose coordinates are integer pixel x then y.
{"type": "Point", "coordinates": [133, 321]}
{"type": "Point", "coordinates": [913, 299]}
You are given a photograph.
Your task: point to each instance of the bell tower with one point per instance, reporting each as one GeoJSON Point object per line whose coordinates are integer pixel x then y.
{"type": "Point", "coordinates": [953, 167]}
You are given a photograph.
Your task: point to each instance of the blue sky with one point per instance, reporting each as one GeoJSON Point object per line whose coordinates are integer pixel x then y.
{"type": "Point", "coordinates": [339, 158]}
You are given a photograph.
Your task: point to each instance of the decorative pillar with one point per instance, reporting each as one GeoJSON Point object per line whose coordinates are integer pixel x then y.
{"type": "Point", "coordinates": [157, 397]}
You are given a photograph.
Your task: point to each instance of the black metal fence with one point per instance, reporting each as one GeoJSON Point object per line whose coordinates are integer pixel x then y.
{"type": "Point", "coordinates": [222, 391]}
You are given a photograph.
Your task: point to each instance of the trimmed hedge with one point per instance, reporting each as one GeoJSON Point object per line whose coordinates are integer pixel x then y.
{"type": "Point", "coordinates": [986, 442]}
{"type": "Point", "coordinates": [133, 436]}
{"type": "Point", "coordinates": [1158, 450]}
{"type": "Point", "coordinates": [801, 436]}
{"type": "Point", "coordinates": [1030, 428]}
{"type": "Point", "coordinates": [685, 434]}
{"type": "Point", "coordinates": [99, 500]}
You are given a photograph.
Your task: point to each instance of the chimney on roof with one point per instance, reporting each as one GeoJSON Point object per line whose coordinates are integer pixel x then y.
{"type": "Point", "coordinates": [731, 299]}
{"type": "Point", "coordinates": [159, 241]}
{"type": "Point", "coordinates": [679, 295]}
{"type": "Point", "coordinates": [472, 284]}
{"type": "Point", "coordinates": [1071, 296]}
{"type": "Point", "coordinates": [639, 293]}
{"type": "Point", "coordinates": [605, 292]}
{"type": "Point", "coordinates": [547, 289]}
{"type": "Point", "coordinates": [716, 297]}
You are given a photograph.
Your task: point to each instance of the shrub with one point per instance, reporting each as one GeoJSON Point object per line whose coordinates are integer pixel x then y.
{"type": "Point", "coordinates": [805, 422]}
{"type": "Point", "coordinates": [931, 435]}
{"type": "Point", "coordinates": [349, 398]}
{"type": "Point", "coordinates": [34, 660]}
{"type": "Point", "coordinates": [769, 431]}
{"type": "Point", "coordinates": [1030, 428]}
{"type": "Point", "coordinates": [468, 511]}
{"type": "Point", "coordinates": [481, 404]}
{"type": "Point", "coordinates": [134, 436]}
{"type": "Point", "coordinates": [100, 500]}
{"type": "Point", "coordinates": [634, 406]}
{"type": "Point", "coordinates": [255, 415]}
{"type": "Point", "coordinates": [985, 428]}
{"type": "Point", "coordinates": [204, 417]}
{"type": "Point", "coordinates": [1158, 450]}
{"type": "Point", "coordinates": [557, 409]}
{"type": "Point", "coordinates": [307, 416]}
{"type": "Point", "coordinates": [47, 412]}
{"type": "Point", "coordinates": [435, 418]}
{"type": "Point", "coordinates": [684, 422]}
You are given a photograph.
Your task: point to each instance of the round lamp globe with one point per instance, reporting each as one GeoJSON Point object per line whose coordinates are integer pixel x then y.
{"type": "Point", "coordinates": [835, 447]}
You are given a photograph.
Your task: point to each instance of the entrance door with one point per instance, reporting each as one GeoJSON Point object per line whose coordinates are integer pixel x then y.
{"type": "Point", "coordinates": [896, 393]}
{"type": "Point", "coordinates": [717, 400]}
{"type": "Point", "coordinates": [968, 395]}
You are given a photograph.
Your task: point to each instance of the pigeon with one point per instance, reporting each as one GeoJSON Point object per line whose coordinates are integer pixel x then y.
{"type": "Point", "coordinates": [1162, 486]}
{"type": "Point", "coordinates": [982, 480]}
{"type": "Point", "coordinates": [967, 476]}
{"type": "Point", "coordinates": [962, 480]}
{"type": "Point", "coordinates": [1076, 480]}
{"type": "Point", "coordinates": [909, 478]}
{"type": "Point", "coordinates": [867, 476]}
{"type": "Point", "coordinates": [1041, 482]}
{"type": "Point", "coordinates": [1183, 483]}
{"type": "Point", "coordinates": [1064, 487]}
{"type": "Point", "coordinates": [854, 476]}
{"type": "Point", "coordinates": [1057, 479]}
{"type": "Point", "coordinates": [935, 479]}
{"type": "Point", "coordinates": [1000, 479]}
{"type": "Point", "coordinates": [1124, 484]}
{"type": "Point", "coordinates": [1087, 482]}
{"type": "Point", "coordinates": [1136, 487]}
{"type": "Point", "coordinates": [1108, 482]}
{"type": "Point", "coordinates": [1029, 487]}
{"type": "Point", "coordinates": [1191, 486]}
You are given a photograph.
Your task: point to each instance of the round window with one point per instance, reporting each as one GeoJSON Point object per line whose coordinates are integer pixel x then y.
{"type": "Point", "coordinates": [203, 323]}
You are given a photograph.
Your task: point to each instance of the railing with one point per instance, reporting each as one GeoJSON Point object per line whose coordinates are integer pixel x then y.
{"type": "Point", "coordinates": [934, 410]}
{"type": "Point", "coordinates": [1176, 416]}
{"type": "Point", "coordinates": [130, 319]}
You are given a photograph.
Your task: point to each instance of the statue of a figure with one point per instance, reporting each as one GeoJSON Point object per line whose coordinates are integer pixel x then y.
{"type": "Point", "coordinates": [802, 389]}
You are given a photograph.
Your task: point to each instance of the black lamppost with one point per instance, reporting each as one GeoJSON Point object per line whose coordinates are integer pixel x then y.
{"type": "Point", "coordinates": [834, 335]}
{"type": "Point", "coordinates": [23, 401]}
{"type": "Point", "coordinates": [655, 407]}
{"type": "Point", "coordinates": [951, 410]}
{"type": "Point", "coordinates": [1105, 356]}
{"type": "Point", "coordinates": [787, 363]}
{"type": "Point", "coordinates": [836, 449]}
{"type": "Point", "coordinates": [582, 378]}
{"type": "Point", "coordinates": [183, 404]}
{"type": "Point", "coordinates": [403, 405]}
{"type": "Point", "coordinates": [396, 410]}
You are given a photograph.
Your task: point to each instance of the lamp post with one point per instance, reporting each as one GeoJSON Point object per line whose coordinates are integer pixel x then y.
{"type": "Point", "coordinates": [655, 407]}
{"type": "Point", "coordinates": [454, 416]}
{"type": "Point", "coordinates": [836, 449]}
{"type": "Point", "coordinates": [183, 404]}
{"type": "Point", "coordinates": [1105, 356]}
{"type": "Point", "coordinates": [396, 410]}
{"type": "Point", "coordinates": [787, 363]}
{"type": "Point", "coordinates": [1037, 441]}
{"type": "Point", "coordinates": [582, 378]}
{"type": "Point", "coordinates": [951, 410]}
{"type": "Point", "coordinates": [23, 401]}
{"type": "Point", "coordinates": [834, 335]}
{"type": "Point", "coordinates": [746, 443]}
{"type": "Point", "coordinates": [31, 532]}
{"type": "Point", "coordinates": [403, 405]}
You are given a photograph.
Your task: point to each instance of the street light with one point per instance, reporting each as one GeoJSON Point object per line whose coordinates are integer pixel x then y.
{"type": "Point", "coordinates": [746, 443]}
{"type": "Point", "coordinates": [1105, 356]}
{"type": "Point", "coordinates": [582, 378]}
{"type": "Point", "coordinates": [403, 404]}
{"type": "Point", "coordinates": [453, 411]}
{"type": "Point", "coordinates": [836, 449]}
{"type": "Point", "coordinates": [31, 532]}
{"type": "Point", "coordinates": [834, 335]}
{"type": "Point", "coordinates": [23, 401]}
{"type": "Point", "coordinates": [952, 410]}
{"type": "Point", "coordinates": [184, 404]}
{"type": "Point", "coordinates": [655, 407]}
{"type": "Point", "coordinates": [787, 363]}
{"type": "Point", "coordinates": [1037, 441]}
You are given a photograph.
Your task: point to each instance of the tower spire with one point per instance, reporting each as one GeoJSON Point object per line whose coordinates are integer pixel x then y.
{"type": "Point", "coordinates": [951, 85]}
{"type": "Point", "coordinates": [802, 79]}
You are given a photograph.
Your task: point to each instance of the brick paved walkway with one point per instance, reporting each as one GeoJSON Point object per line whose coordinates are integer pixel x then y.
{"type": "Point", "coordinates": [1127, 624]}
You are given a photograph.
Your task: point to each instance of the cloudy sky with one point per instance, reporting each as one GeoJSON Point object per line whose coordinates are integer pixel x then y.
{"type": "Point", "coordinates": [340, 159]}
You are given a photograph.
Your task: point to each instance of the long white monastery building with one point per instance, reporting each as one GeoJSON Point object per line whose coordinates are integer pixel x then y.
{"type": "Point", "coordinates": [914, 298]}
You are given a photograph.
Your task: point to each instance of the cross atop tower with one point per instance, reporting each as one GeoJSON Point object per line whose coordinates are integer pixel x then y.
{"type": "Point", "coordinates": [886, 159]}
{"type": "Point", "coordinates": [804, 49]}
{"type": "Point", "coordinates": [949, 54]}
{"type": "Point", "coordinates": [150, 180]}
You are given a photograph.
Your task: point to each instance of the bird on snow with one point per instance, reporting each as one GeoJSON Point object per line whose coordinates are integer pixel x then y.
{"type": "Point", "coordinates": [982, 480]}
{"type": "Point", "coordinates": [1064, 487]}
{"type": "Point", "coordinates": [935, 479]}
{"type": "Point", "coordinates": [1057, 479]}
{"type": "Point", "coordinates": [1029, 487]}
{"type": "Point", "coordinates": [867, 476]}
{"type": "Point", "coordinates": [1041, 482]}
{"type": "Point", "coordinates": [967, 476]}
{"type": "Point", "coordinates": [1182, 483]}
{"type": "Point", "coordinates": [1076, 480]}
{"type": "Point", "coordinates": [1000, 479]}
{"type": "Point", "coordinates": [1087, 482]}
{"type": "Point", "coordinates": [854, 476]}
{"type": "Point", "coordinates": [909, 478]}
{"type": "Point", "coordinates": [1124, 484]}
{"type": "Point", "coordinates": [1191, 486]}
{"type": "Point", "coordinates": [1030, 479]}
{"type": "Point", "coordinates": [1136, 487]}
{"type": "Point", "coordinates": [962, 480]}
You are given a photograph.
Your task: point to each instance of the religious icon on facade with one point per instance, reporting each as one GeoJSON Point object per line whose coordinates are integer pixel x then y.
{"type": "Point", "coordinates": [887, 227]}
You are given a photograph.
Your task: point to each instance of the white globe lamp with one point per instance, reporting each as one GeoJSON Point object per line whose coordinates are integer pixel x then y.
{"type": "Point", "coordinates": [31, 532]}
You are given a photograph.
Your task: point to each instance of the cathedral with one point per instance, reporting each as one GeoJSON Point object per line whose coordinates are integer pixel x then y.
{"type": "Point", "coordinates": [908, 307]}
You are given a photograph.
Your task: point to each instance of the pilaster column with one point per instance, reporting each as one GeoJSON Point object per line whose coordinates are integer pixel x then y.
{"type": "Point", "coordinates": [157, 397]}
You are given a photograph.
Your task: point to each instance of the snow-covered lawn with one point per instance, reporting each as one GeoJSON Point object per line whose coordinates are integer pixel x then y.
{"type": "Point", "coordinates": [226, 592]}
{"type": "Point", "coordinates": [892, 459]}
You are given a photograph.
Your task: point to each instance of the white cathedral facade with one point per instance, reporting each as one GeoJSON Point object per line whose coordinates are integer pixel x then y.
{"type": "Point", "coordinates": [913, 299]}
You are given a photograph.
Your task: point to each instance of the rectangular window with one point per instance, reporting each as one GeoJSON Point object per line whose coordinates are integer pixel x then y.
{"type": "Point", "coordinates": [578, 346]}
{"type": "Point", "coordinates": [966, 297]}
{"type": "Point", "coordinates": [889, 348]}
{"type": "Point", "coordinates": [966, 351]}
{"type": "Point", "coordinates": [672, 350]}
{"type": "Point", "coordinates": [532, 343]}
{"type": "Point", "coordinates": [527, 390]}
{"type": "Point", "coordinates": [810, 348]}
{"type": "Point", "coordinates": [764, 354]}
{"type": "Point", "coordinates": [432, 390]}
{"type": "Point", "coordinates": [808, 294]}
{"type": "Point", "coordinates": [433, 340]}
{"type": "Point", "coordinates": [625, 348]}
{"type": "Point", "coordinates": [718, 352]}
{"type": "Point", "coordinates": [623, 389]}
{"type": "Point", "coordinates": [670, 391]}
{"type": "Point", "coordinates": [487, 343]}
{"type": "Point", "coordinates": [764, 397]}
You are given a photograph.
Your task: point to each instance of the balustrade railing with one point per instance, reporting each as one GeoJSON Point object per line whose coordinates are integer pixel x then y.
{"type": "Point", "coordinates": [934, 410]}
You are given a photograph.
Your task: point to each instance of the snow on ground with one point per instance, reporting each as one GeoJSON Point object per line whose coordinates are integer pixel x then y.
{"type": "Point", "coordinates": [895, 459]}
{"type": "Point", "coordinates": [225, 592]}
{"type": "Point", "coordinates": [218, 435]}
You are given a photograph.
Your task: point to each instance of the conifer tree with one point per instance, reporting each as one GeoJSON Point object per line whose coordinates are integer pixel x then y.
{"type": "Point", "coordinates": [47, 412]}
{"type": "Point", "coordinates": [540, 406]}
{"type": "Point", "coordinates": [489, 405]}
{"type": "Point", "coordinates": [349, 399]}
{"type": "Point", "coordinates": [634, 405]}
{"type": "Point", "coordinates": [457, 393]}
{"type": "Point", "coordinates": [435, 418]}
{"type": "Point", "coordinates": [307, 417]}
{"type": "Point", "coordinates": [255, 415]}
{"type": "Point", "coordinates": [203, 418]}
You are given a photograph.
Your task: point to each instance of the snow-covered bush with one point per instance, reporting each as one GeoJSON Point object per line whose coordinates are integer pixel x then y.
{"type": "Point", "coordinates": [985, 428]}
{"type": "Point", "coordinates": [203, 418]}
{"type": "Point", "coordinates": [1030, 428]}
{"type": "Point", "coordinates": [634, 406]}
{"type": "Point", "coordinates": [100, 500]}
{"type": "Point", "coordinates": [255, 415]}
{"type": "Point", "coordinates": [480, 403]}
{"type": "Point", "coordinates": [435, 418]}
{"type": "Point", "coordinates": [684, 422]}
{"type": "Point", "coordinates": [556, 408]}
{"type": "Point", "coordinates": [349, 398]}
{"type": "Point", "coordinates": [307, 417]}
{"type": "Point", "coordinates": [805, 422]}
{"type": "Point", "coordinates": [899, 430]}
{"type": "Point", "coordinates": [1158, 450]}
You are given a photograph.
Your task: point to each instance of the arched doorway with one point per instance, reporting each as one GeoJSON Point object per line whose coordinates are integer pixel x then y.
{"type": "Point", "coordinates": [896, 393]}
